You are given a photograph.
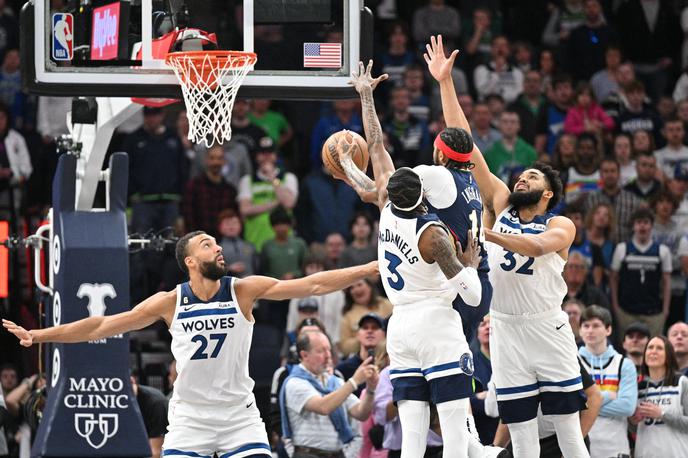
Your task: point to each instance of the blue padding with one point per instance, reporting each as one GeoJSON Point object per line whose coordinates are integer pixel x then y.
{"type": "Point", "coordinates": [569, 382]}
{"type": "Point", "coordinates": [518, 389]}
{"type": "Point", "coordinates": [243, 448]}
{"type": "Point", "coordinates": [205, 312]}
{"type": "Point", "coordinates": [559, 403]}
{"type": "Point", "coordinates": [450, 388]}
{"type": "Point", "coordinates": [410, 389]}
{"type": "Point", "coordinates": [175, 452]}
{"type": "Point", "coordinates": [518, 410]}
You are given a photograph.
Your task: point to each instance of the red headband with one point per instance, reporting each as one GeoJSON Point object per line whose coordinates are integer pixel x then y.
{"type": "Point", "coordinates": [450, 153]}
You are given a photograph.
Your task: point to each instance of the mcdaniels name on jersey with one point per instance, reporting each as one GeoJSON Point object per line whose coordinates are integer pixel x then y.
{"type": "Point", "coordinates": [389, 236]}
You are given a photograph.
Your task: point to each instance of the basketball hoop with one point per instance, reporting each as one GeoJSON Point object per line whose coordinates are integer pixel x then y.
{"type": "Point", "coordinates": [210, 81]}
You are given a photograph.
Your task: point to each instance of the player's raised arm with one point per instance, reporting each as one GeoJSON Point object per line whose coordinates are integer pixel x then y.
{"type": "Point", "coordinates": [256, 287]}
{"type": "Point", "coordinates": [495, 193]}
{"type": "Point", "coordinates": [159, 306]}
{"type": "Point", "coordinates": [459, 266]}
{"type": "Point", "coordinates": [383, 167]}
{"type": "Point", "coordinates": [556, 239]}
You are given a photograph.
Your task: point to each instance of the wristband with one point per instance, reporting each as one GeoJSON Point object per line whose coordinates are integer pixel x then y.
{"type": "Point", "coordinates": [353, 383]}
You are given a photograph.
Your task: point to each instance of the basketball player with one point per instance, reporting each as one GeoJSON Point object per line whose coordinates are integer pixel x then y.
{"type": "Point", "coordinates": [533, 351]}
{"type": "Point", "coordinates": [449, 191]}
{"type": "Point", "coordinates": [213, 409]}
{"type": "Point", "coordinates": [452, 191]}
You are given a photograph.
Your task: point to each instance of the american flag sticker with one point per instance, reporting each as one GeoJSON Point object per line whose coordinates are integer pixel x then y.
{"type": "Point", "coordinates": [324, 55]}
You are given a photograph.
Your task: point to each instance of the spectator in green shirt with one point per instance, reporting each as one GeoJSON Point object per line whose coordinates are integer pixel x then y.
{"type": "Point", "coordinates": [282, 257]}
{"type": "Point", "coordinates": [273, 122]}
{"type": "Point", "coordinates": [511, 154]}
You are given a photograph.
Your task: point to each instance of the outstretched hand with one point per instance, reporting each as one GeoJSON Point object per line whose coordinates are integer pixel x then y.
{"type": "Point", "coordinates": [24, 336]}
{"type": "Point", "coordinates": [470, 257]}
{"type": "Point", "coordinates": [439, 65]}
{"type": "Point", "coordinates": [346, 146]}
{"type": "Point", "coordinates": [363, 79]}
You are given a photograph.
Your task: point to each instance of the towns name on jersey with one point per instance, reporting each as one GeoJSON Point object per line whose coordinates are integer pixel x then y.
{"type": "Point", "coordinates": [96, 393]}
{"type": "Point", "coordinates": [405, 248]}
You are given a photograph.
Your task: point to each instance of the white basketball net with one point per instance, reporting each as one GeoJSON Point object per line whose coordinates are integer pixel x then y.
{"type": "Point", "coordinates": [210, 81]}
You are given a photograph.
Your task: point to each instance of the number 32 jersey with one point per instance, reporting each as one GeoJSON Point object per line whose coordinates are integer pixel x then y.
{"type": "Point", "coordinates": [522, 284]}
{"type": "Point", "coordinates": [406, 277]}
{"type": "Point", "coordinates": [211, 341]}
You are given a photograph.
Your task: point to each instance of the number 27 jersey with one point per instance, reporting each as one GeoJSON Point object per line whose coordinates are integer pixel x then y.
{"type": "Point", "coordinates": [522, 284]}
{"type": "Point", "coordinates": [406, 277]}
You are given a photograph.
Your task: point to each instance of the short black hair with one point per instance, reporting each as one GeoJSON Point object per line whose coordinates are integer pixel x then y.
{"type": "Point", "coordinates": [561, 78]}
{"type": "Point", "coordinates": [642, 213]}
{"type": "Point", "coordinates": [553, 181]}
{"type": "Point", "coordinates": [587, 136]}
{"type": "Point", "coordinates": [181, 249]}
{"type": "Point", "coordinates": [460, 141]}
{"type": "Point", "coordinates": [404, 188]}
{"type": "Point", "coordinates": [597, 312]}
{"type": "Point", "coordinates": [280, 215]}
{"type": "Point", "coordinates": [611, 159]}
{"type": "Point", "coordinates": [361, 214]}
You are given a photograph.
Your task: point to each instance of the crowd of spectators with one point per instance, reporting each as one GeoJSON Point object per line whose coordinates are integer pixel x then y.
{"type": "Point", "coordinates": [597, 88]}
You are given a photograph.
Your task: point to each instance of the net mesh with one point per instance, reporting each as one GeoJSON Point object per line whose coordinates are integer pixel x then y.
{"type": "Point", "coordinates": [210, 81]}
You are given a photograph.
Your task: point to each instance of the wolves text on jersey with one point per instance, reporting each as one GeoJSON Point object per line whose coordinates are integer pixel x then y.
{"type": "Point", "coordinates": [208, 324]}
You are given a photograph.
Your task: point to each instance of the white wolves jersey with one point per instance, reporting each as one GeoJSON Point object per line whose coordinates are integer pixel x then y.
{"type": "Point", "coordinates": [406, 277]}
{"type": "Point", "coordinates": [655, 437]}
{"type": "Point", "coordinates": [524, 285]}
{"type": "Point", "coordinates": [211, 341]}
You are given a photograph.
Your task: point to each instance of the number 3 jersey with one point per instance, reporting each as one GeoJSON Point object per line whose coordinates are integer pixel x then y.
{"type": "Point", "coordinates": [211, 341]}
{"type": "Point", "coordinates": [406, 277]}
{"type": "Point", "coordinates": [524, 285]}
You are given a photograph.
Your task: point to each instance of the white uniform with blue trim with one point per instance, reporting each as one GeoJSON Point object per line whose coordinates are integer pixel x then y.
{"type": "Point", "coordinates": [429, 357]}
{"type": "Point", "coordinates": [212, 409]}
{"type": "Point", "coordinates": [532, 347]}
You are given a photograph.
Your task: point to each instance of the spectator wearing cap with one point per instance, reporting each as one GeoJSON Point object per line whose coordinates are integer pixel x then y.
{"type": "Point", "coordinates": [273, 122]}
{"type": "Point", "coordinates": [157, 173]}
{"type": "Point", "coordinates": [675, 153]}
{"type": "Point", "coordinates": [635, 339]}
{"type": "Point", "coordinates": [361, 298]}
{"type": "Point", "coordinates": [263, 191]}
{"type": "Point", "coordinates": [678, 336]}
{"type": "Point", "coordinates": [208, 194]}
{"type": "Point", "coordinates": [617, 378]}
{"type": "Point", "coordinates": [327, 308]}
{"type": "Point", "coordinates": [370, 334]}
{"type": "Point", "coordinates": [240, 256]}
{"type": "Point", "coordinates": [640, 277]}
{"type": "Point", "coordinates": [317, 407]}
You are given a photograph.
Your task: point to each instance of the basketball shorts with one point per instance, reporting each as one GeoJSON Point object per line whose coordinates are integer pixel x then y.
{"type": "Point", "coordinates": [230, 431]}
{"type": "Point", "coordinates": [429, 357]}
{"type": "Point", "coordinates": [534, 361]}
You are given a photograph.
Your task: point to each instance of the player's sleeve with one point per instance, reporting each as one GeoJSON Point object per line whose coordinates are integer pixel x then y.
{"type": "Point", "coordinates": [438, 185]}
{"type": "Point", "coordinates": [665, 257]}
{"type": "Point", "coordinates": [627, 396]}
{"type": "Point", "coordinates": [619, 255]}
{"type": "Point", "coordinates": [467, 284]}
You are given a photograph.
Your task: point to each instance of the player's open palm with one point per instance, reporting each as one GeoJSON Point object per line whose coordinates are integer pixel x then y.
{"type": "Point", "coordinates": [469, 256]}
{"type": "Point", "coordinates": [346, 146]}
{"type": "Point", "coordinates": [363, 79]}
{"type": "Point", "coordinates": [439, 65]}
{"type": "Point", "coordinates": [24, 336]}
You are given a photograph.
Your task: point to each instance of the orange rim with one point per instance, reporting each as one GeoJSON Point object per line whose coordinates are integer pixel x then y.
{"type": "Point", "coordinates": [236, 58]}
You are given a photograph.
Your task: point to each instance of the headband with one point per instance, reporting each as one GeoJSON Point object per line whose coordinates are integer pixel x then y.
{"type": "Point", "coordinates": [450, 153]}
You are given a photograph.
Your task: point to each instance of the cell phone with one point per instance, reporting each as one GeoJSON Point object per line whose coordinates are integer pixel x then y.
{"type": "Point", "coordinates": [371, 353]}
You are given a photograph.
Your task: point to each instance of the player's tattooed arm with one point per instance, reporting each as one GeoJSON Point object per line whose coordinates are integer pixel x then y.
{"type": "Point", "coordinates": [355, 177]}
{"type": "Point", "coordinates": [435, 245]}
{"type": "Point", "coordinates": [383, 167]}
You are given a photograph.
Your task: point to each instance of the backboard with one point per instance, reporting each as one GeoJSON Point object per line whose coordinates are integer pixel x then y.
{"type": "Point", "coordinates": [113, 48]}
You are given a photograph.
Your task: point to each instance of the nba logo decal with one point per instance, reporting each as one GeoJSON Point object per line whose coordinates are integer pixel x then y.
{"type": "Point", "coordinates": [63, 37]}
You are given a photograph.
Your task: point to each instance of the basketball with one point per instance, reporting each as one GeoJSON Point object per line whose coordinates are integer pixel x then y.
{"type": "Point", "coordinates": [330, 155]}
